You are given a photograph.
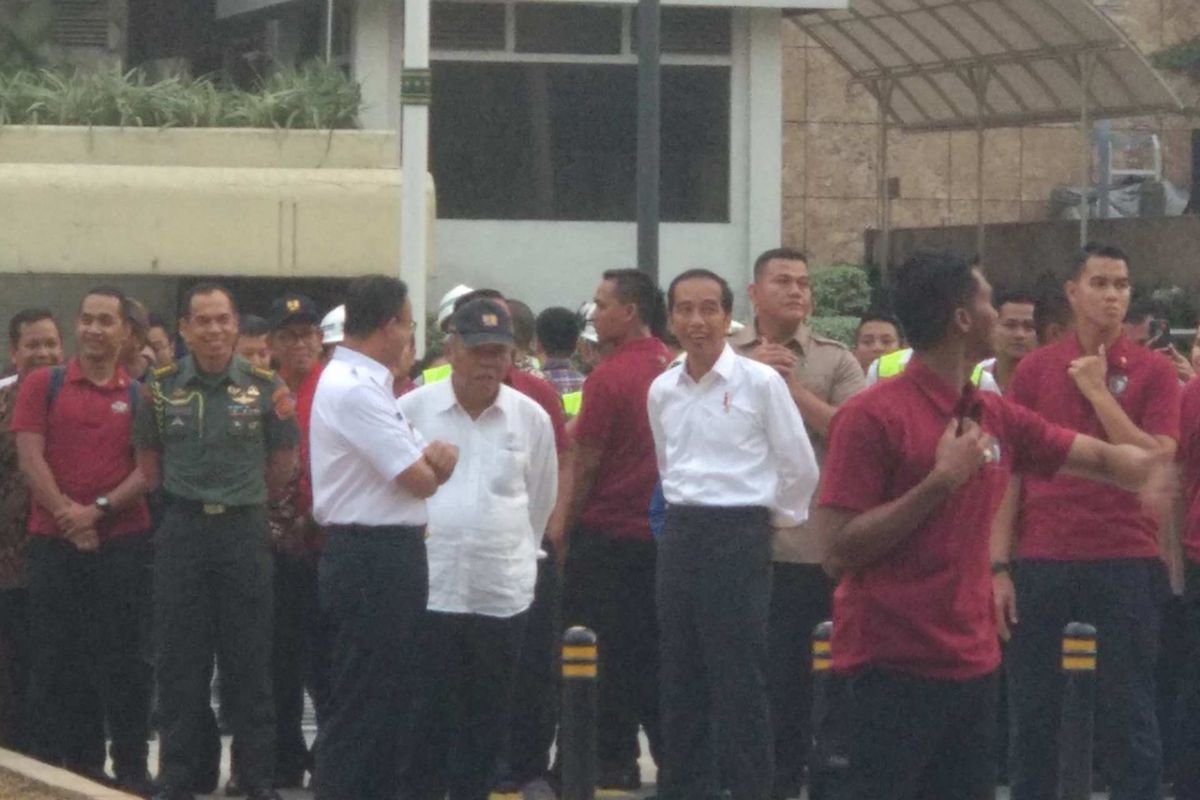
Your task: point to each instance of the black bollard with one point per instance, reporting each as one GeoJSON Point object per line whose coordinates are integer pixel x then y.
{"type": "Point", "coordinates": [824, 760]}
{"type": "Point", "coordinates": [577, 728]}
{"type": "Point", "coordinates": [1078, 712]}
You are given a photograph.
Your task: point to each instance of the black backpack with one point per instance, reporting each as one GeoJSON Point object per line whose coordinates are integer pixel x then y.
{"type": "Point", "coordinates": [58, 376]}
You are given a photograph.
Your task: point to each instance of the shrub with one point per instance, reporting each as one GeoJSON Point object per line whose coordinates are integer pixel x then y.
{"type": "Point", "coordinates": [313, 96]}
{"type": "Point", "coordinates": [840, 290]}
{"type": "Point", "coordinates": [841, 329]}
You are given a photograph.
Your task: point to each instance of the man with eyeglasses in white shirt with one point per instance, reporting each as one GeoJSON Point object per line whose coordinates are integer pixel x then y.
{"type": "Point", "coordinates": [732, 451]}
{"type": "Point", "coordinates": [485, 529]}
{"type": "Point", "coordinates": [371, 475]}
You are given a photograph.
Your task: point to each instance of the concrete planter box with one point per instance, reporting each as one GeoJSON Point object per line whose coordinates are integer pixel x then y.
{"type": "Point", "coordinates": [198, 201]}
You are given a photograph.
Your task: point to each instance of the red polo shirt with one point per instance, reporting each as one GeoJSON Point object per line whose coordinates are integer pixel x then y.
{"type": "Point", "coordinates": [1071, 519]}
{"type": "Point", "coordinates": [926, 607]}
{"type": "Point", "coordinates": [304, 401]}
{"type": "Point", "coordinates": [89, 444]}
{"type": "Point", "coordinates": [614, 421]}
{"type": "Point", "coordinates": [545, 395]}
{"type": "Point", "coordinates": [1189, 457]}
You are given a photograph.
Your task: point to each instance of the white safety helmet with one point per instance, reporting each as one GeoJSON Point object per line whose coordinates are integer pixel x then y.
{"type": "Point", "coordinates": [586, 312]}
{"type": "Point", "coordinates": [734, 327]}
{"type": "Point", "coordinates": [333, 326]}
{"type": "Point", "coordinates": [446, 307]}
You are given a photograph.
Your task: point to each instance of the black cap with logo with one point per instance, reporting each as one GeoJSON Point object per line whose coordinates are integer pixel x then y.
{"type": "Point", "coordinates": [293, 307]}
{"type": "Point", "coordinates": [482, 321]}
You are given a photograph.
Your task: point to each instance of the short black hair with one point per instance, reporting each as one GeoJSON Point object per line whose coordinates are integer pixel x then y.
{"type": "Point", "coordinates": [157, 321]}
{"type": "Point", "coordinates": [203, 288]}
{"type": "Point", "coordinates": [113, 292]}
{"type": "Point", "coordinates": [1052, 308]}
{"type": "Point", "coordinates": [926, 291]}
{"type": "Point", "coordinates": [253, 325]}
{"type": "Point", "coordinates": [879, 316]}
{"type": "Point", "coordinates": [28, 316]}
{"type": "Point", "coordinates": [523, 324]}
{"type": "Point", "coordinates": [706, 274]}
{"type": "Point", "coordinates": [639, 289]}
{"type": "Point", "coordinates": [783, 253]}
{"type": "Point", "coordinates": [1020, 296]}
{"type": "Point", "coordinates": [373, 301]}
{"type": "Point", "coordinates": [558, 331]}
{"type": "Point", "coordinates": [1095, 250]}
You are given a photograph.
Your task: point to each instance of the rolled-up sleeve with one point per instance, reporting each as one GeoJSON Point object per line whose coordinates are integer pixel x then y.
{"type": "Point", "coordinates": [791, 450]}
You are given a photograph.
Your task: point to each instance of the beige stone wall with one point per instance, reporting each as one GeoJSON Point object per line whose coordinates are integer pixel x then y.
{"type": "Point", "coordinates": [831, 139]}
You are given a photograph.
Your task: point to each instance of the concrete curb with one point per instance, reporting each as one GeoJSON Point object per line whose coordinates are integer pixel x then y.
{"type": "Point", "coordinates": [59, 779]}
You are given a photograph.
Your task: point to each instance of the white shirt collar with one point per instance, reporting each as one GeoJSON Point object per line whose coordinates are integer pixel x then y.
{"type": "Point", "coordinates": [377, 371]}
{"type": "Point", "coordinates": [444, 399]}
{"type": "Point", "coordinates": [723, 367]}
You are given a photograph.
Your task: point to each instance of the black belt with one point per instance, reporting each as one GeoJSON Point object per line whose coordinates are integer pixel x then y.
{"type": "Point", "coordinates": [375, 530]}
{"type": "Point", "coordinates": [748, 513]}
{"type": "Point", "coordinates": [177, 503]}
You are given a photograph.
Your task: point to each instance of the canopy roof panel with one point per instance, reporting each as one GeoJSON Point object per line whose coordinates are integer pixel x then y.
{"type": "Point", "coordinates": [958, 64]}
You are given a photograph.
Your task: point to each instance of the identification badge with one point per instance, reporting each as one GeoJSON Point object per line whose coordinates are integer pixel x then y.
{"type": "Point", "coordinates": [1117, 384]}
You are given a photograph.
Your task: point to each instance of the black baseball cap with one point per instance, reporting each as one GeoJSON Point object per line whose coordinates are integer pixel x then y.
{"type": "Point", "coordinates": [293, 307]}
{"type": "Point", "coordinates": [482, 321]}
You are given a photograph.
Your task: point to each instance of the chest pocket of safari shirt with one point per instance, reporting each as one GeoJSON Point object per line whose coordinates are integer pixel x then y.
{"type": "Point", "coordinates": [181, 418]}
{"type": "Point", "coordinates": [244, 420]}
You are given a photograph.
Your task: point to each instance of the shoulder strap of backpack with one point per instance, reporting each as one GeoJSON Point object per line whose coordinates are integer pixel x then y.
{"type": "Point", "coordinates": [57, 376]}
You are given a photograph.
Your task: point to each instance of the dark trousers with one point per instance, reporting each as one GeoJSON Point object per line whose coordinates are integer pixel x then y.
{"type": "Point", "coordinates": [88, 661]}
{"type": "Point", "coordinates": [14, 669]}
{"type": "Point", "coordinates": [299, 660]}
{"type": "Point", "coordinates": [373, 583]}
{"type": "Point", "coordinates": [1187, 776]}
{"type": "Point", "coordinates": [465, 672]}
{"type": "Point", "coordinates": [533, 713]}
{"type": "Point", "coordinates": [714, 593]}
{"type": "Point", "coordinates": [914, 738]}
{"type": "Point", "coordinates": [1123, 599]}
{"type": "Point", "coordinates": [609, 587]}
{"type": "Point", "coordinates": [213, 594]}
{"type": "Point", "coordinates": [801, 598]}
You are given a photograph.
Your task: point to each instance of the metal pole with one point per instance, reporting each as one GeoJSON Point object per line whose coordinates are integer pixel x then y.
{"type": "Point", "coordinates": [1078, 712]}
{"type": "Point", "coordinates": [416, 92]}
{"type": "Point", "coordinates": [577, 728]}
{"type": "Point", "coordinates": [648, 134]}
{"type": "Point", "coordinates": [979, 81]}
{"type": "Point", "coordinates": [329, 31]}
{"type": "Point", "coordinates": [1104, 166]}
{"type": "Point", "coordinates": [883, 256]}
{"type": "Point", "coordinates": [1086, 62]}
{"type": "Point", "coordinates": [823, 776]}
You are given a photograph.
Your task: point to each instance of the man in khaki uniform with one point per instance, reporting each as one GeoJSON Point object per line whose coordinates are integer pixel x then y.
{"type": "Point", "coordinates": [821, 375]}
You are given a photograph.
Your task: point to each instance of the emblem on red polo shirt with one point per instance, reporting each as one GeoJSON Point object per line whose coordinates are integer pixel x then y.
{"type": "Point", "coordinates": [1117, 384]}
{"type": "Point", "coordinates": [120, 407]}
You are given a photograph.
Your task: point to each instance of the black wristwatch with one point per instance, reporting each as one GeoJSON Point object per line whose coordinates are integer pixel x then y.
{"type": "Point", "coordinates": [1001, 566]}
{"type": "Point", "coordinates": [104, 505]}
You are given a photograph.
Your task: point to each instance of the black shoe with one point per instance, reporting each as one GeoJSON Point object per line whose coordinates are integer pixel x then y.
{"type": "Point", "coordinates": [263, 793]}
{"type": "Point", "coordinates": [619, 776]}
{"type": "Point", "coordinates": [137, 784]}
{"type": "Point", "coordinates": [206, 784]}
{"type": "Point", "coordinates": [233, 788]}
{"type": "Point", "coordinates": [289, 779]}
{"type": "Point", "coordinates": [167, 793]}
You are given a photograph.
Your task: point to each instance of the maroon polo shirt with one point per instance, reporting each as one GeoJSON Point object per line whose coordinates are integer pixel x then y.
{"type": "Point", "coordinates": [1189, 457]}
{"type": "Point", "coordinates": [1072, 519]}
{"type": "Point", "coordinates": [926, 607]}
{"type": "Point", "coordinates": [89, 444]}
{"type": "Point", "coordinates": [614, 420]}
{"type": "Point", "coordinates": [545, 395]}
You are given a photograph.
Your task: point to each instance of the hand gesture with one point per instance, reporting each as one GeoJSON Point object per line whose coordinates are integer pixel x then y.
{"type": "Point", "coordinates": [1090, 373]}
{"type": "Point", "coordinates": [775, 355]}
{"type": "Point", "coordinates": [442, 457]}
{"type": "Point", "coordinates": [1004, 601]}
{"type": "Point", "coordinates": [1183, 367]}
{"type": "Point", "coordinates": [959, 456]}
{"type": "Point", "coordinates": [74, 518]}
{"type": "Point", "coordinates": [86, 540]}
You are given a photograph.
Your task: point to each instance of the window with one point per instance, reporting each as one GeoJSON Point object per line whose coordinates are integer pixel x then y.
{"type": "Point", "coordinates": [536, 118]}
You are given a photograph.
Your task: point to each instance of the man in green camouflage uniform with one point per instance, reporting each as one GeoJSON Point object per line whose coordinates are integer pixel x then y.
{"type": "Point", "coordinates": [221, 437]}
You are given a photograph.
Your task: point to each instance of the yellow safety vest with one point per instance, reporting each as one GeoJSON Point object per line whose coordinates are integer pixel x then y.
{"type": "Point", "coordinates": [572, 403]}
{"type": "Point", "coordinates": [893, 364]}
{"type": "Point", "coordinates": [436, 374]}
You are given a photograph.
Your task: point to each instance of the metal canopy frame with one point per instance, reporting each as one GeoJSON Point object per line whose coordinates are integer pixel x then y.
{"type": "Point", "coordinates": [945, 65]}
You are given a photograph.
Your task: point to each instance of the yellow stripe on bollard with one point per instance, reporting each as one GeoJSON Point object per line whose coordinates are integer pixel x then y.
{"type": "Point", "coordinates": [1079, 646]}
{"type": "Point", "coordinates": [579, 670]}
{"type": "Point", "coordinates": [579, 652]}
{"type": "Point", "coordinates": [1079, 663]}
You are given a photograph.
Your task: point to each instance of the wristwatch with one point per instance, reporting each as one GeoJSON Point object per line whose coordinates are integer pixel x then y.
{"type": "Point", "coordinates": [104, 505]}
{"type": "Point", "coordinates": [1001, 566]}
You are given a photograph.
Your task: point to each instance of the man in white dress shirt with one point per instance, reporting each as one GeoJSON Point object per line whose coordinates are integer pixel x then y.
{"type": "Point", "coordinates": [371, 475]}
{"type": "Point", "coordinates": [485, 527]}
{"type": "Point", "coordinates": [732, 451]}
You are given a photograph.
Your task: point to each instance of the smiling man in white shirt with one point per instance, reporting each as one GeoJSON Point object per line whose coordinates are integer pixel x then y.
{"type": "Point", "coordinates": [371, 475]}
{"type": "Point", "coordinates": [485, 527]}
{"type": "Point", "coordinates": [732, 451]}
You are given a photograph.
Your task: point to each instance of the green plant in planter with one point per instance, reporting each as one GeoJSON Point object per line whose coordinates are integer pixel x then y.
{"type": "Point", "coordinates": [1183, 58]}
{"type": "Point", "coordinates": [25, 28]}
{"type": "Point", "coordinates": [314, 96]}
{"type": "Point", "coordinates": [840, 290]}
